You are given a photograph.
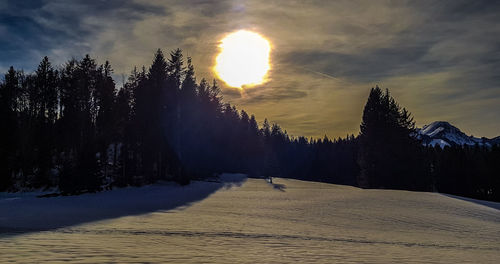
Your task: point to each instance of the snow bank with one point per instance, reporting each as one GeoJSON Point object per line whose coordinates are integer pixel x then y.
{"type": "Point", "coordinates": [491, 204]}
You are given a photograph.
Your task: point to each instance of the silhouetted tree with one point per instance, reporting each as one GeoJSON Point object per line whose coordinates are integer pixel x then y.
{"type": "Point", "coordinates": [104, 98]}
{"type": "Point", "coordinates": [44, 100]}
{"type": "Point", "coordinates": [9, 90]}
{"type": "Point", "coordinates": [388, 155]}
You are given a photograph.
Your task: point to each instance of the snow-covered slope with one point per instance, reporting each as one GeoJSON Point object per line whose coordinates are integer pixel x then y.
{"type": "Point", "coordinates": [289, 221]}
{"type": "Point", "coordinates": [443, 134]}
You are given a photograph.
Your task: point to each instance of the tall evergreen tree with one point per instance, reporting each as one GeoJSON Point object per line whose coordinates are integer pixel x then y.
{"type": "Point", "coordinates": [9, 90]}
{"type": "Point", "coordinates": [188, 107]}
{"type": "Point", "coordinates": [78, 90]}
{"type": "Point", "coordinates": [44, 98]}
{"type": "Point", "coordinates": [387, 156]}
{"type": "Point", "coordinates": [149, 112]}
{"type": "Point", "coordinates": [105, 121]}
{"type": "Point", "coordinates": [172, 120]}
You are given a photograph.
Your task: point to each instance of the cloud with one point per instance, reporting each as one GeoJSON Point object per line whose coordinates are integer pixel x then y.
{"type": "Point", "coordinates": [273, 94]}
{"type": "Point", "coordinates": [439, 58]}
{"type": "Point", "coordinates": [61, 29]}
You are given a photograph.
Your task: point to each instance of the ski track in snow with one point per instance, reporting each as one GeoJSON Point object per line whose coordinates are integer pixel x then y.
{"type": "Point", "coordinates": [253, 221]}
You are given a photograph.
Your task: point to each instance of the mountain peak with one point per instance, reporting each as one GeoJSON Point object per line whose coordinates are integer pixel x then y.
{"type": "Point", "coordinates": [443, 133]}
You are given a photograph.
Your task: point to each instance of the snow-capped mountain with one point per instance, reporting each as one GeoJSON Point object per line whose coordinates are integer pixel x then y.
{"type": "Point", "coordinates": [445, 134]}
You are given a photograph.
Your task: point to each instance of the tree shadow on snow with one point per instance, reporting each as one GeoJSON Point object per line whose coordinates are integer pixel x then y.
{"type": "Point", "coordinates": [276, 186]}
{"type": "Point", "coordinates": [20, 214]}
{"type": "Point", "coordinates": [279, 187]}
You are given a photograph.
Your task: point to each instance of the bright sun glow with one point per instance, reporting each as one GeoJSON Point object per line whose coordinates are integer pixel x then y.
{"type": "Point", "coordinates": [244, 59]}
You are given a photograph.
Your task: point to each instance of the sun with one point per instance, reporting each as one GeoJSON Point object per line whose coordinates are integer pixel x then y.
{"type": "Point", "coordinates": [243, 59]}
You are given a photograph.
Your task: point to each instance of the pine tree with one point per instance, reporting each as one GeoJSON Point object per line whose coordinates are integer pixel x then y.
{"type": "Point", "coordinates": [79, 113]}
{"type": "Point", "coordinates": [127, 130]}
{"type": "Point", "coordinates": [173, 102]}
{"type": "Point", "coordinates": [122, 114]}
{"type": "Point", "coordinates": [187, 116]}
{"type": "Point", "coordinates": [387, 156]}
{"type": "Point", "coordinates": [44, 99]}
{"type": "Point", "coordinates": [105, 121]}
{"type": "Point", "coordinates": [155, 119]}
{"type": "Point", "coordinates": [9, 90]}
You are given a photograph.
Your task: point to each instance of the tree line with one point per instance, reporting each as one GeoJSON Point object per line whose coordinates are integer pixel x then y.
{"type": "Point", "coordinates": [70, 127]}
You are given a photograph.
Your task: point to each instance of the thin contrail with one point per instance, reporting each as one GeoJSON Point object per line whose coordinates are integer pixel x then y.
{"type": "Point", "coordinates": [321, 73]}
{"type": "Point", "coordinates": [325, 75]}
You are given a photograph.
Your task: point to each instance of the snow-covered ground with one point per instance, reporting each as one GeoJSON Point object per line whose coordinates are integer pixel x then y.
{"type": "Point", "coordinates": [249, 221]}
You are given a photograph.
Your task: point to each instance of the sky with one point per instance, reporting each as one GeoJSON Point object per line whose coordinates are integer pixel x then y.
{"type": "Point", "coordinates": [439, 59]}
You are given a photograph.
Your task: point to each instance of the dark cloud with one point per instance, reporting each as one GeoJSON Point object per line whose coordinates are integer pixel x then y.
{"type": "Point", "coordinates": [457, 9]}
{"type": "Point", "coordinates": [14, 5]}
{"type": "Point", "coordinates": [231, 93]}
{"type": "Point", "coordinates": [273, 94]}
{"type": "Point", "coordinates": [32, 29]}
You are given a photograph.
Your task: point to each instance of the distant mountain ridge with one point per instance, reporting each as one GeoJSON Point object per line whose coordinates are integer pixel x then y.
{"type": "Point", "coordinates": [443, 134]}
